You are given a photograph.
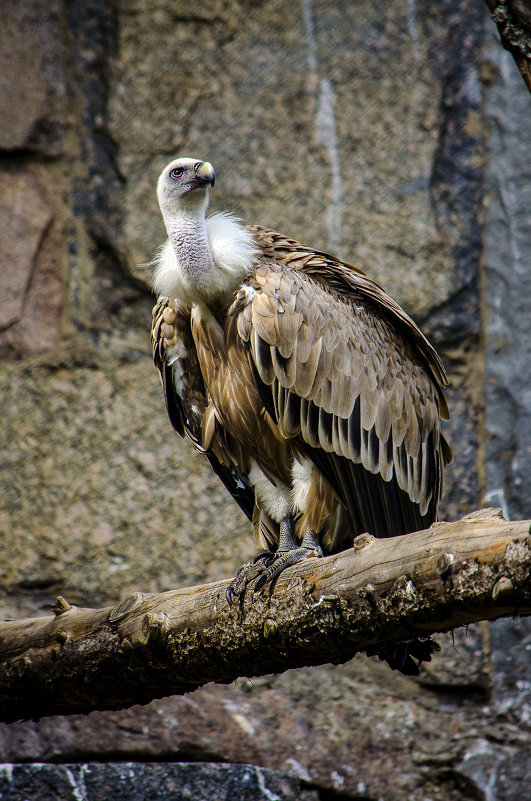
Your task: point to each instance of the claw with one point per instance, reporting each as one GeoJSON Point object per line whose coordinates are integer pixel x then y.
{"type": "Point", "coordinates": [260, 581]}
{"type": "Point", "coordinates": [244, 576]}
{"type": "Point", "coordinates": [283, 560]}
{"type": "Point", "coordinates": [265, 556]}
{"type": "Point", "coordinates": [267, 565]}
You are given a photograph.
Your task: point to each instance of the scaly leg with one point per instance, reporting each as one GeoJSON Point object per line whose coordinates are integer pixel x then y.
{"type": "Point", "coordinates": [267, 565]}
{"type": "Point", "coordinates": [289, 553]}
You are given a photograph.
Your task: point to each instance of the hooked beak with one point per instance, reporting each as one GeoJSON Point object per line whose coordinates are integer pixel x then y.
{"type": "Point", "coordinates": [204, 172]}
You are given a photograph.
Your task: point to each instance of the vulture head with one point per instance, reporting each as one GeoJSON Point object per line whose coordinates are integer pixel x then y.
{"type": "Point", "coordinates": [204, 259]}
{"type": "Point", "coordinates": [184, 183]}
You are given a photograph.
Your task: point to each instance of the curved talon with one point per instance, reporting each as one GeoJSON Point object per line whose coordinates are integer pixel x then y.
{"type": "Point", "coordinates": [260, 581]}
{"type": "Point", "coordinates": [267, 565]}
{"type": "Point", "coordinates": [243, 577]}
{"type": "Point", "coordinates": [264, 555]}
{"type": "Point", "coordinates": [285, 559]}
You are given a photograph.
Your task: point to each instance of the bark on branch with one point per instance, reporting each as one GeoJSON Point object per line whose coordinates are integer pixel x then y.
{"type": "Point", "coordinates": [323, 610]}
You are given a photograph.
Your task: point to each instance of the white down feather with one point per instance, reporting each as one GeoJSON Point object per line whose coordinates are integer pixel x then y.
{"type": "Point", "coordinates": [233, 252]}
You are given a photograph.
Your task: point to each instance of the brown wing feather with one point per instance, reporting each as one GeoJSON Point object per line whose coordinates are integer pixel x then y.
{"type": "Point", "coordinates": [228, 375]}
{"type": "Point", "coordinates": [344, 369]}
{"type": "Point", "coordinates": [189, 409]}
{"type": "Point", "coordinates": [351, 281]}
{"type": "Point", "coordinates": [180, 404]}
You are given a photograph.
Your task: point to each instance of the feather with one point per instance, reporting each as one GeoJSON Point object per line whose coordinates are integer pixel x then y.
{"type": "Point", "coordinates": [266, 326]}
{"type": "Point", "coordinates": [307, 372]}
{"type": "Point", "coordinates": [285, 368]}
{"type": "Point", "coordinates": [310, 423]}
{"type": "Point", "coordinates": [354, 432]}
{"type": "Point", "coordinates": [305, 340]}
{"type": "Point", "coordinates": [325, 430]}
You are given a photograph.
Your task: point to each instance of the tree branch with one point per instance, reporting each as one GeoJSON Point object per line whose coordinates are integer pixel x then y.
{"type": "Point", "coordinates": [322, 610]}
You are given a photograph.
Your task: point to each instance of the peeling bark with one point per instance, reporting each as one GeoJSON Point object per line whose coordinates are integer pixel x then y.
{"type": "Point", "coordinates": [323, 610]}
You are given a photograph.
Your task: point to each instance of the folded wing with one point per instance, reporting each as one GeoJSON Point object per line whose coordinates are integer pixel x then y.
{"type": "Point", "coordinates": [187, 402]}
{"type": "Point", "coordinates": [355, 381]}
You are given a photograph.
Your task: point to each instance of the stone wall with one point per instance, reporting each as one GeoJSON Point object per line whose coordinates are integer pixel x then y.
{"type": "Point", "coordinates": [389, 133]}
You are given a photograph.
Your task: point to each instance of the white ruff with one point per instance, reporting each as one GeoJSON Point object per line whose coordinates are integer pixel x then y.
{"type": "Point", "coordinates": [233, 252]}
{"type": "Point", "coordinates": [301, 476]}
{"type": "Point", "coordinates": [274, 499]}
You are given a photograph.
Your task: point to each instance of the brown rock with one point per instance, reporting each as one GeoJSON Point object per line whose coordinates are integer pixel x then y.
{"type": "Point", "coordinates": [24, 216]}
{"type": "Point", "coordinates": [31, 244]}
{"type": "Point", "coordinates": [31, 82]}
{"type": "Point", "coordinates": [356, 728]}
{"type": "Point", "coordinates": [291, 140]}
{"type": "Point", "coordinates": [123, 503]}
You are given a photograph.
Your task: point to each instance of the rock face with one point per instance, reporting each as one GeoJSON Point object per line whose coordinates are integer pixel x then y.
{"type": "Point", "coordinates": [380, 132]}
{"type": "Point", "coordinates": [126, 780]}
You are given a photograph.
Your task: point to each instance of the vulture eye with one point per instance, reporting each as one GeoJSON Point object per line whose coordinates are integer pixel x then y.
{"type": "Point", "coordinates": [176, 172]}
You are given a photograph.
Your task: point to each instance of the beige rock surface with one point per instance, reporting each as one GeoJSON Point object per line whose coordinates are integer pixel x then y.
{"type": "Point", "coordinates": [100, 497]}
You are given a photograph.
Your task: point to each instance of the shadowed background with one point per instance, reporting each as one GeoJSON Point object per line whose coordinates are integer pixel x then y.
{"type": "Point", "coordinates": [390, 134]}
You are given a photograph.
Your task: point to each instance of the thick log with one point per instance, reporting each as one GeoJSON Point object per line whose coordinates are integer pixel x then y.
{"type": "Point", "coordinates": [323, 610]}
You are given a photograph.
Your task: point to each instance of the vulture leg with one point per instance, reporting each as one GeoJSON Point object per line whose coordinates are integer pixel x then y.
{"type": "Point", "coordinates": [267, 565]}
{"type": "Point", "coordinates": [289, 552]}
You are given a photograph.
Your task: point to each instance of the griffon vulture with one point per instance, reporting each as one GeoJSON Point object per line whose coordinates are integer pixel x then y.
{"type": "Point", "coordinates": [315, 397]}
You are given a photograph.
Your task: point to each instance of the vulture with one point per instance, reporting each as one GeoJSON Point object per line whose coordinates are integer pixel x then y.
{"type": "Point", "coordinates": [316, 399]}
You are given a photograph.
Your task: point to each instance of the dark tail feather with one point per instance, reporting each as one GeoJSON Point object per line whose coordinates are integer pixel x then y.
{"type": "Point", "coordinates": [405, 656]}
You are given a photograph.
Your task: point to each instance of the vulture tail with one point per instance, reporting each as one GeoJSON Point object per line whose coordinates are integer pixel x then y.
{"type": "Point", "coordinates": [405, 656]}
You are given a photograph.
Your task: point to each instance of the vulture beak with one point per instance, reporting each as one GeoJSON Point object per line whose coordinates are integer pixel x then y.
{"type": "Point", "coordinates": [204, 172]}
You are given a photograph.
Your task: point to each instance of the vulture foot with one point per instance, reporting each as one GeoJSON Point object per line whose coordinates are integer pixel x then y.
{"type": "Point", "coordinates": [246, 574]}
{"type": "Point", "coordinates": [284, 559]}
{"type": "Point", "coordinates": [268, 565]}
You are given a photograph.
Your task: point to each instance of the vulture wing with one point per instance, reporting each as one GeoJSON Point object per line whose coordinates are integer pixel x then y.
{"type": "Point", "coordinates": [187, 402]}
{"type": "Point", "coordinates": [343, 369]}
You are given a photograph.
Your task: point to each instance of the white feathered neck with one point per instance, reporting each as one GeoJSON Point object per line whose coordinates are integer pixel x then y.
{"type": "Point", "coordinates": [231, 255]}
